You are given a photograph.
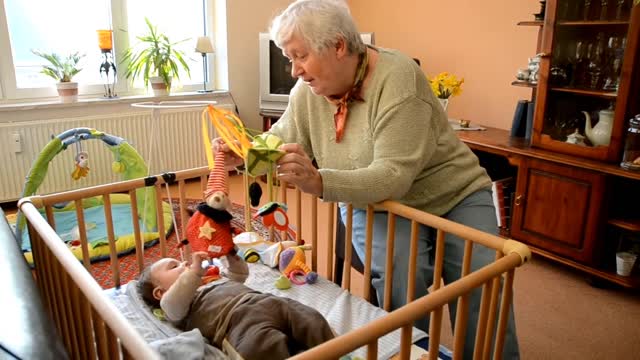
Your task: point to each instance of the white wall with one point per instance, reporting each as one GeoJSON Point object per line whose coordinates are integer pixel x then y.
{"type": "Point", "coordinates": [245, 19]}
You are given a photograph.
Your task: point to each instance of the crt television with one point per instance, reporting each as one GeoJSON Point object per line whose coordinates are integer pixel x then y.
{"type": "Point", "coordinates": [275, 74]}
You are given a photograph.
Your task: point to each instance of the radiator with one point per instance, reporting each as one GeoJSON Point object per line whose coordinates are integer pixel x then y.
{"type": "Point", "coordinates": [168, 141]}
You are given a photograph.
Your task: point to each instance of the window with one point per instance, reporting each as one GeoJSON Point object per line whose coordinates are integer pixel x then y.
{"type": "Point", "coordinates": [46, 25]}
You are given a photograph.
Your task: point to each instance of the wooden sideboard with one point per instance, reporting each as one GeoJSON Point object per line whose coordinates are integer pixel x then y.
{"type": "Point", "coordinates": [571, 210]}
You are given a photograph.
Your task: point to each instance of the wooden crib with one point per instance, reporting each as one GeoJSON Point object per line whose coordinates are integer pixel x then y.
{"type": "Point", "coordinates": [92, 327]}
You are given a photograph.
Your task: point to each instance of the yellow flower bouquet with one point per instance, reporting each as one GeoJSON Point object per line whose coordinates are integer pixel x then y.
{"type": "Point", "coordinates": [445, 85]}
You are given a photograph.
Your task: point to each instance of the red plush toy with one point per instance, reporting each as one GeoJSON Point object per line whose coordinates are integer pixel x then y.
{"type": "Point", "coordinates": [209, 229]}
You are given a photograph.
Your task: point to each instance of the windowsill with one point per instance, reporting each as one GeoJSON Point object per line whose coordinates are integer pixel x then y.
{"type": "Point", "coordinates": [55, 104]}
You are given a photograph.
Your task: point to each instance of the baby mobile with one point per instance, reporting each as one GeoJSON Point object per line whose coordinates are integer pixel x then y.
{"type": "Point", "coordinates": [209, 229]}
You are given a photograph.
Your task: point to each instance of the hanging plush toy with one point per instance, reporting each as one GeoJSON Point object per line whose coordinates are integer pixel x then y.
{"type": "Point", "coordinates": [82, 164]}
{"type": "Point", "coordinates": [293, 263]}
{"type": "Point", "coordinates": [274, 214]}
{"type": "Point", "coordinates": [209, 229]}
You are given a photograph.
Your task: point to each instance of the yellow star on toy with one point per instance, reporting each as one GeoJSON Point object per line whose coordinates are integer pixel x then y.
{"type": "Point", "coordinates": [206, 230]}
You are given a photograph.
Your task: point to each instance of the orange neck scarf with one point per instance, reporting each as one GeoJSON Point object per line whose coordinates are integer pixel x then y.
{"type": "Point", "coordinates": [340, 117]}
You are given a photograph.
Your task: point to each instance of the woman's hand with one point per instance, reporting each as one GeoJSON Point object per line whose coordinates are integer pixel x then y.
{"type": "Point", "coordinates": [296, 168]}
{"type": "Point", "coordinates": [196, 262]}
{"type": "Point", "coordinates": [232, 160]}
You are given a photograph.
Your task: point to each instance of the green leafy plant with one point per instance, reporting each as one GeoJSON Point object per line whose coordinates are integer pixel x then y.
{"type": "Point", "coordinates": [62, 69]}
{"type": "Point", "coordinates": [154, 55]}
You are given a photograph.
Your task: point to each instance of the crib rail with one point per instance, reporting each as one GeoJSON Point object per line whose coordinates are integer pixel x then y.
{"type": "Point", "coordinates": [509, 255]}
{"type": "Point", "coordinates": [66, 284]}
{"type": "Point", "coordinates": [86, 321]}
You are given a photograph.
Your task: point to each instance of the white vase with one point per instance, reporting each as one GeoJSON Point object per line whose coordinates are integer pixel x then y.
{"type": "Point", "coordinates": [444, 103]}
{"type": "Point", "coordinates": [158, 86]}
{"type": "Point", "coordinates": [68, 91]}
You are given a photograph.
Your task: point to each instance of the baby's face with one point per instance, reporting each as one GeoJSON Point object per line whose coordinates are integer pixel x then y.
{"type": "Point", "coordinates": [165, 272]}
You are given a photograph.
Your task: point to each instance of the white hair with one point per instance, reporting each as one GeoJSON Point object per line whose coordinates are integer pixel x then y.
{"type": "Point", "coordinates": [320, 23]}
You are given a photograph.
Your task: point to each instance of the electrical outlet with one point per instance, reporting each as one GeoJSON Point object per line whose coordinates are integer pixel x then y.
{"type": "Point", "coordinates": [16, 141]}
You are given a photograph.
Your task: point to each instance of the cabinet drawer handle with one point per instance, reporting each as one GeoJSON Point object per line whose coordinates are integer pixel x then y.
{"type": "Point", "coordinates": [518, 200]}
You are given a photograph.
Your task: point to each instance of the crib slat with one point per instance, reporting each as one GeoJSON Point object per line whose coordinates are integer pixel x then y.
{"type": "Point", "coordinates": [203, 182]}
{"type": "Point", "coordinates": [413, 259]}
{"type": "Point", "coordinates": [314, 233]}
{"type": "Point", "coordinates": [462, 312]}
{"type": "Point", "coordinates": [100, 335]}
{"type": "Point", "coordinates": [482, 319]}
{"type": "Point", "coordinates": [435, 324]}
{"type": "Point", "coordinates": [331, 209]}
{"type": "Point", "coordinates": [49, 271]}
{"type": "Point", "coordinates": [372, 350]}
{"type": "Point", "coordinates": [505, 304]}
{"type": "Point", "coordinates": [82, 231]}
{"type": "Point", "coordinates": [368, 254]}
{"type": "Point", "coordinates": [184, 217]}
{"type": "Point", "coordinates": [86, 328]}
{"type": "Point", "coordinates": [50, 218]}
{"type": "Point", "coordinates": [283, 188]}
{"type": "Point", "coordinates": [66, 333]}
{"type": "Point", "coordinates": [70, 314]}
{"type": "Point", "coordinates": [185, 250]}
{"type": "Point", "coordinates": [405, 342]}
{"type": "Point", "coordinates": [135, 221]}
{"type": "Point", "coordinates": [299, 227]}
{"type": "Point", "coordinates": [77, 319]}
{"type": "Point", "coordinates": [391, 242]}
{"type": "Point", "coordinates": [38, 263]}
{"type": "Point", "coordinates": [346, 264]}
{"type": "Point", "coordinates": [113, 254]}
{"type": "Point", "coordinates": [160, 221]}
{"type": "Point", "coordinates": [44, 270]}
{"type": "Point", "coordinates": [493, 307]}
{"type": "Point", "coordinates": [247, 203]}
{"type": "Point", "coordinates": [112, 343]}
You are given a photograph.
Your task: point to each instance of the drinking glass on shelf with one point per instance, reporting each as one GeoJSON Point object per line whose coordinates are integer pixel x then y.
{"type": "Point", "coordinates": [580, 62]}
{"type": "Point", "coordinates": [586, 10]}
{"type": "Point", "coordinates": [620, 9]}
{"type": "Point", "coordinates": [614, 55]}
{"type": "Point", "coordinates": [604, 10]}
{"type": "Point", "coordinates": [594, 69]}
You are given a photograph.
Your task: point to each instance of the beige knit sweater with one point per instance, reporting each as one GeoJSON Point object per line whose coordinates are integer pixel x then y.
{"type": "Point", "coordinates": [397, 144]}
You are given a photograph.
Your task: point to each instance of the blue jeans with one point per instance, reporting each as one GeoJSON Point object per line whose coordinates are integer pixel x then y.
{"type": "Point", "coordinates": [476, 211]}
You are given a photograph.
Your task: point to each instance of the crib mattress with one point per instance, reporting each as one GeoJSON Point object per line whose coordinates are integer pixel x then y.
{"type": "Point", "coordinates": [342, 310]}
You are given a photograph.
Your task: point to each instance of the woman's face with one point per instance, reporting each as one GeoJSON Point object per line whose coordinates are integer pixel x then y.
{"type": "Point", "coordinates": [165, 272]}
{"type": "Point", "coordinates": [320, 71]}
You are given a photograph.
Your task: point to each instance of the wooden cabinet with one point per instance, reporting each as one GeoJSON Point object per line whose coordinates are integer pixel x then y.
{"type": "Point", "coordinates": [569, 209]}
{"type": "Point", "coordinates": [588, 55]}
{"type": "Point", "coordinates": [572, 201]}
{"type": "Point", "coordinates": [558, 208]}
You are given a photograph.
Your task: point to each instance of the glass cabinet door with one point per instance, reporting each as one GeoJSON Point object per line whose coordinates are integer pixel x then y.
{"type": "Point", "coordinates": [587, 47]}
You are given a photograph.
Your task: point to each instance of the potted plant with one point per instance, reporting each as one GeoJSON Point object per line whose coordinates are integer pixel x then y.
{"type": "Point", "coordinates": [62, 69]}
{"type": "Point", "coordinates": [155, 59]}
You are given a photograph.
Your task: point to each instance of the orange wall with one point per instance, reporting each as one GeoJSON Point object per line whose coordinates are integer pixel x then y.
{"type": "Point", "coordinates": [478, 40]}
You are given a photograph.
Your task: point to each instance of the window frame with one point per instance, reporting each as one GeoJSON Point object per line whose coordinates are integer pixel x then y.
{"type": "Point", "coordinates": [218, 72]}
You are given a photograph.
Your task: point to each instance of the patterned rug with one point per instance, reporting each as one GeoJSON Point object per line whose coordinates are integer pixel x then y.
{"type": "Point", "coordinates": [128, 264]}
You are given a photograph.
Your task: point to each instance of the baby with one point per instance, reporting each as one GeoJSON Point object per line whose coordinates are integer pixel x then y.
{"type": "Point", "coordinates": [228, 313]}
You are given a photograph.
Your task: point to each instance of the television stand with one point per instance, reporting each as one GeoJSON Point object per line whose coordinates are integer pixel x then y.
{"type": "Point", "coordinates": [269, 117]}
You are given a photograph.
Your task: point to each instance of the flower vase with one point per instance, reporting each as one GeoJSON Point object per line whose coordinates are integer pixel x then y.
{"type": "Point", "coordinates": [444, 103]}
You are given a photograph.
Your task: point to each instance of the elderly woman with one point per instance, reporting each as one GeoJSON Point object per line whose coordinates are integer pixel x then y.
{"type": "Point", "coordinates": [369, 119]}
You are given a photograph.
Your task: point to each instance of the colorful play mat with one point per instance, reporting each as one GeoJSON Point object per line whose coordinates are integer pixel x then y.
{"type": "Point", "coordinates": [67, 228]}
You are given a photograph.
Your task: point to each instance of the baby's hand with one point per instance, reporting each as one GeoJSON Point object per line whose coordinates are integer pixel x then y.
{"type": "Point", "coordinates": [196, 262]}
